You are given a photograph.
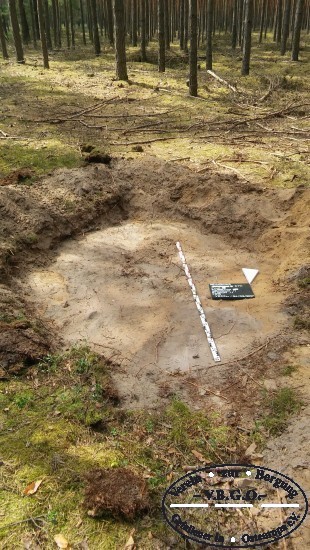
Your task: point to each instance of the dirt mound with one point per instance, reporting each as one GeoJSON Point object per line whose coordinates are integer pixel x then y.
{"type": "Point", "coordinates": [117, 491]}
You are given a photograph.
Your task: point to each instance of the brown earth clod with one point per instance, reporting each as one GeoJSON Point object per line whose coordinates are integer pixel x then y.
{"type": "Point", "coordinates": [119, 492]}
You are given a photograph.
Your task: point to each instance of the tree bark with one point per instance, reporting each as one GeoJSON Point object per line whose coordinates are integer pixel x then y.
{"type": "Point", "coordinates": [95, 27]}
{"type": "Point", "coordinates": [234, 25]}
{"type": "Point", "coordinates": [16, 33]}
{"type": "Point", "coordinates": [120, 36]}
{"type": "Point", "coordinates": [167, 29]}
{"type": "Point", "coordinates": [193, 81]}
{"type": "Point", "coordinates": [110, 22]}
{"type": "Point", "coordinates": [83, 22]}
{"type": "Point", "coordinates": [143, 29]}
{"type": "Point", "coordinates": [5, 54]}
{"type": "Point", "coordinates": [33, 24]}
{"type": "Point", "coordinates": [24, 22]}
{"type": "Point", "coordinates": [186, 22]}
{"type": "Point", "coordinates": [248, 21]}
{"type": "Point", "coordinates": [43, 34]}
{"type": "Point", "coordinates": [286, 25]}
{"type": "Point", "coordinates": [279, 22]}
{"type": "Point", "coordinates": [72, 24]}
{"type": "Point", "coordinates": [209, 32]}
{"type": "Point", "coordinates": [134, 13]}
{"type": "Point", "coordinates": [47, 25]}
{"type": "Point", "coordinates": [161, 37]}
{"type": "Point", "coordinates": [297, 29]}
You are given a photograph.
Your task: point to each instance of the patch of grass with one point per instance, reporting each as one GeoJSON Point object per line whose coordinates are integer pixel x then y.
{"type": "Point", "coordinates": [281, 406]}
{"type": "Point", "coordinates": [301, 322]}
{"type": "Point", "coordinates": [304, 283]}
{"type": "Point", "coordinates": [289, 370]}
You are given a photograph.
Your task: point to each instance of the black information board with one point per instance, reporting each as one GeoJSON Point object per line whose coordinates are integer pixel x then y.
{"type": "Point", "coordinates": [233, 291]}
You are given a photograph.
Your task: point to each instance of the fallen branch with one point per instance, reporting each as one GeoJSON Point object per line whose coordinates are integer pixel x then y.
{"type": "Point", "coordinates": [27, 520]}
{"type": "Point", "coordinates": [222, 81]}
{"type": "Point", "coordinates": [140, 142]}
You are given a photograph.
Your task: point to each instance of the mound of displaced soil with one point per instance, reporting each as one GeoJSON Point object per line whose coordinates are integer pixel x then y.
{"type": "Point", "coordinates": [117, 491]}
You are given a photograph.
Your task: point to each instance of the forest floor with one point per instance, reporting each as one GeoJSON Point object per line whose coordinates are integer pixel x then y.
{"type": "Point", "coordinates": [102, 359]}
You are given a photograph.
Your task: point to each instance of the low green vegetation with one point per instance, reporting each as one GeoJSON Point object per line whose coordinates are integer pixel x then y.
{"type": "Point", "coordinates": [281, 405]}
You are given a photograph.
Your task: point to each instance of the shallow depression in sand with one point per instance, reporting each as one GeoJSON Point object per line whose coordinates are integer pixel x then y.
{"type": "Point", "coordinates": [122, 290]}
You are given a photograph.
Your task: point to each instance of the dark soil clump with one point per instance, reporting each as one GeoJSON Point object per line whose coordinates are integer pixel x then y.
{"type": "Point", "coordinates": [118, 492]}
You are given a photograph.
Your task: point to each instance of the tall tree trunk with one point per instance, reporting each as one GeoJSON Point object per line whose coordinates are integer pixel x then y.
{"type": "Point", "coordinates": [193, 81]}
{"type": "Point", "coordinates": [181, 24]}
{"type": "Point", "coordinates": [110, 22]}
{"type": "Point", "coordinates": [134, 27]}
{"type": "Point", "coordinates": [209, 32]}
{"type": "Point", "coordinates": [143, 29]}
{"type": "Point", "coordinates": [167, 29]}
{"type": "Point", "coordinates": [83, 22]}
{"type": "Point", "coordinates": [16, 32]}
{"type": "Point", "coordinates": [54, 22]}
{"type": "Point", "coordinates": [67, 23]}
{"type": "Point", "coordinates": [95, 27]}
{"type": "Point", "coordinates": [47, 25]}
{"type": "Point", "coordinates": [43, 34]}
{"type": "Point", "coordinates": [262, 21]}
{"type": "Point", "coordinates": [72, 23]}
{"type": "Point", "coordinates": [5, 54]}
{"type": "Point", "coordinates": [161, 37]}
{"type": "Point", "coordinates": [33, 24]}
{"type": "Point", "coordinates": [240, 19]}
{"type": "Point", "coordinates": [186, 22]}
{"type": "Point", "coordinates": [297, 29]}
{"type": "Point", "coordinates": [234, 25]}
{"type": "Point", "coordinates": [279, 22]}
{"type": "Point", "coordinates": [248, 19]}
{"type": "Point", "coordinates": [286, 25]}
{"type": "Point", "coordinates": [24, 22]}
{"type": "Point", "coordinates": [120, 37]}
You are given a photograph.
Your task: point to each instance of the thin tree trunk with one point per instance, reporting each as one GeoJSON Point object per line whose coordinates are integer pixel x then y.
{"type": "Point", "coordinates": [167, 30]}
{"type": "Point", "coordinates": [209, 34]}
{"type": "Point", "coordinates": [193, 81]}
{"type": "Point", "coordinates": [43, 34]}
{"type": "Point", "coordinates": [5, 54]}
{"type": "Point", "coordinates": [24, 22]}
{"type": "Point", "coordinates": [247, 37]}
{"type": "Point", "coordinates": [279, 22]}
{"type": "Point", "coordinates": [286, 25]}
{"type": "Point", "coordinates": [120, 36]}
{"type": "Point", "coordinates": [262, 21]}
{"type": "Point", "coordinates": [161, 37]}
{"type": "Point", "coordinates": [134, 14]}
{"type": "Point", "coordinates": [47, 25]}
{"type": "Point", "coordinates": [54, 22]}
{"type": "Point", "coordinates": [297, 29]}
{"type": "Point", "coordinates": [83, 22]}
{"type": "Point", "coordinates": [95, 27]}
{"type": "Point", "coordinates": [234, 25]}
{"type": "Point", "coordinates": [110, 22]}
{"type": "Point", "coordinates": [143, 30]}
{"type": "Point", "coordinates": [181, 24]}
{"type": "Point", "coordinates": [72, 24]}
{"type": "Point", "coordinates": [186, 22]}
{"type": "Point", "coordinates": [33, 24]}
{"type": "Point", "coordinates": [16, 32]}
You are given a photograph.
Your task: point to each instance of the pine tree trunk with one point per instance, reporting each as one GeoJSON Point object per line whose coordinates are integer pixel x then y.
{"type": "Point", "coordinates": [209, 34]}
{"type": "Point", "coordinates": [297, 29]}
{"type": "Point", "coordinates": [262, 21]}
{"type": "Point", "coordinates": [110, 22]}
{"type": "Point", "coordinates": [47, 24]}
{"type": "Point", "coordinates": [286, 25]}
{"type": "Point", "coordinates": [181, 24]}
{"type": "Point", "coordinates": [161, 37]}
{"type": "Point", "coordinates": [16, 33]}
{"type": "Point", "coordinates": [248, 21]}
{"type": "Point", "coordinates": [167, 30]}
{"type": "Point", "coordinates": [83, 22]}
{"type": "Point", "coordinates": [72, 24]}
{"type": "Point", "coordinates": [33, 24]}
{"type": "Point", "coordinates": [43, 34]}
{"type": "Point", "coordinates": [5, 54]}
{"type": "Point", "coordinates": [95, 27]}
{"type": "Point", "coordinates": [279, 22]}
{"type": "Point", "coordinates": [193, 82]}
{"type": "Point", "coordinates": [134, 10]}
{"type": "Point", "coordinates": [24, 22]}
{"type": "Point", "coordinates": [186, 22]}
{"type": "Point", "coordinates": [143, 30]}
{"type": "Point", "coordinates": [54, 22]}
{"type": "Point", "coordinates": [234, 25]}
{"type": "Point", "coordinates": [120, 40]}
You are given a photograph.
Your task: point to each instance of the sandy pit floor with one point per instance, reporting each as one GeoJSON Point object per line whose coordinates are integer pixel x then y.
{"type": "Point", "coordinates": [123, 291]}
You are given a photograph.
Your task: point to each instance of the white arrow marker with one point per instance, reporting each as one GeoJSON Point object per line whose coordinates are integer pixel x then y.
{"type": "Point", "coordinates": [249, 274]}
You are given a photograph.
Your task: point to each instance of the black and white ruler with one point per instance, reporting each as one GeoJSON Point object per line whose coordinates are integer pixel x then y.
{"type": "Point", "coordinates": [206, 328]}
